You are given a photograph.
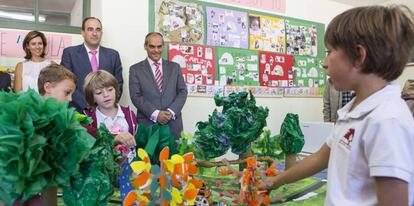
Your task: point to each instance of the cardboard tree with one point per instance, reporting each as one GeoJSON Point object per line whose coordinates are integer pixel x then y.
{"type": "Point", "coordinates": [292, 139]}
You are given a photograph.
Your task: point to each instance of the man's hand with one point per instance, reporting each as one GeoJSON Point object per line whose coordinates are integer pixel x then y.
{"type": "Point", "coordinates": [164, 117]}
{"type": "Point", "coordinates": [126, 139]}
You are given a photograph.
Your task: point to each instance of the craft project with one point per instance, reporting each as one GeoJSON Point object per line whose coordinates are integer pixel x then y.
{"type": "Point", "coordinates": [196, 62]}
{"type": "Point", "coordinates": [239, 123]}
{"type": "Point", "coordinates": [292, 139]}
{"type": "Point", "coordinates": [238, 67]}
{"type": "Point", "coordinates": [267, 33]}
{"type": "Point", "coordinates": [276, 69]}
{"type": "Point", "coordinates": [97, 174]}
{"type": "Point", "coordinates": [171, 183]}
{"type": "Point", "coordinates": [41, 144]}
{"type": "Point", "coordinates": [226, 28]}
{"type": "Point", "coordinates": [179, 22]}
{"type": "Point", "coordinates": [301, 38]}
{"type": "Point", "coordinates": [153, 139]}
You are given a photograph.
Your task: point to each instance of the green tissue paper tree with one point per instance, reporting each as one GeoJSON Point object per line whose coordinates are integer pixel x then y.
{"type": "Point", "coordinates": [41, 144]}
{"type": "Point", "coordinates": [238, 124]}
{"type": "Point", "coordinates": [292, 139]}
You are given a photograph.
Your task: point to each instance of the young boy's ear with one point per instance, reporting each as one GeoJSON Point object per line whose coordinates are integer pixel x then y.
{"type": "Point", "coordinates": [362, 55]}
{"type": "Point", "coordinates": [47, 86]}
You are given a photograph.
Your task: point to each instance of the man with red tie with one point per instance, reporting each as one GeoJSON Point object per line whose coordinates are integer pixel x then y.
{"type": "Point", "coordinates": [157, 87]}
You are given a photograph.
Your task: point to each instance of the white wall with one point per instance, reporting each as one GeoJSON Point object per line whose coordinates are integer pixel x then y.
{"type": "Point", "coordinates": [76, 14]}
{"type": "Point", "coordinates": [125, 25]}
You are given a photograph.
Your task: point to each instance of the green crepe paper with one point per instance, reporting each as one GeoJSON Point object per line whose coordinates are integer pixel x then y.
{"type": "Point", "coordinates": [240, 123]}
{"type": "Point", "coordinates": [267, 146]}
{"type": "Point", "coordinates": [41, 144]}
{"type": "Point", "coordinates": [83, 119]}
{"type": "Point", "coordinates": [93, 185]}
{"type": "Point", "coordinates": [153, 139]}
{"type": "Point", "coordinates": [292, 139]}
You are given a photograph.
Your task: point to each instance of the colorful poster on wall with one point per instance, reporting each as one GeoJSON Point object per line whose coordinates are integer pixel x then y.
{"type": "Point", "coordinates": [276, 69]}
{"type": "Point", "coordinates": [196, 62]}
{"type": "Point", "coordinates": [179, 22]}
{"type": "Point", "coordinates": [226, 28]}
{"type": "Point", "coordinates": [301, 38]}
{"type": "Point", "coordinates": [309, 72]}
{"type": "Point", "coordinates": [267, 33]}
{"type": "Point", "coordinates": [238, 67]}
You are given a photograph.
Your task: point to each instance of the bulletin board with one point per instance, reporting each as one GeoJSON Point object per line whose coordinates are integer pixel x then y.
{"type": "Point", "coordinates": [196, 62]}
{"type": "Point", "coordinates": [226, 28]}
{"type": "Point", "coordinates": [237, 67]}
{"type": "Point", "coordinates": [238, 38]}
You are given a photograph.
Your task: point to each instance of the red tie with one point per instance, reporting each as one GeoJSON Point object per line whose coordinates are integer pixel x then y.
{"type": "Point", "coordinates": [158, 75]}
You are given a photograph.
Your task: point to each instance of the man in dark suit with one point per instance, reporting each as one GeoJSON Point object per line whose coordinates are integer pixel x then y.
{"type": "Point", "coordinates": [90, 56]}
{"type": "Point", "coordinates": [157, 87]}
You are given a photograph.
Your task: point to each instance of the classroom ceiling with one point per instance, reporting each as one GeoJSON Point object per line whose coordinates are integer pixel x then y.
{"type": "Point", "coordinates": [64, 6]}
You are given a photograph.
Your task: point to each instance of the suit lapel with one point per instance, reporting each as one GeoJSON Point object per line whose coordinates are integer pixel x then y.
{"type": "Point", "coordinates": [150, 74]}
{"type": "Point", "coordinates": [84, 57]}
{"type": "Point", "coordinates": [166, 73]}
{"type": "Point", "coordinates": [102, 59]}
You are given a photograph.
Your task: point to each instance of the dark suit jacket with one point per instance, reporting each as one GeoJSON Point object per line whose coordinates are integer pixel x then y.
{"type": "Point", "coordinates": [147, 98]}
{"type": "Point", "coordinates": [76, 59]}
{"type": "Point", "coordinates": [5, 82]}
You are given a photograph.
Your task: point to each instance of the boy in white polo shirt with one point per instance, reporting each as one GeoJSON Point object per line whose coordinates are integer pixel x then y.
{"type": "Point", "coordinates": [369, 154]}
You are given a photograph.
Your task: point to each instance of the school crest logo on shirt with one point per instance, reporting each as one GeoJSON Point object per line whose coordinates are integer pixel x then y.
{"type": "Point", "coordinates": [347, 138]}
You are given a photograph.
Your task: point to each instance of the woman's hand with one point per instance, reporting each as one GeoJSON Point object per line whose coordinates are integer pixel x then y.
{"type": "Point", "coordinates": [126, 139]}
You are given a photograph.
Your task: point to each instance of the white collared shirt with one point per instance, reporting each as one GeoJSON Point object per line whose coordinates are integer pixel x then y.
{"type": "Point", "coordinates": [375, 139]}
{"type": "Point", "coordinates": [115, 125]}
{"type": "Point", "coordinates": [88, 51]}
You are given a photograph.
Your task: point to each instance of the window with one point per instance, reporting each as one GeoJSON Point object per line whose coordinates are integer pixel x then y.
{"type": "Point", "coordinates": [45, 15]}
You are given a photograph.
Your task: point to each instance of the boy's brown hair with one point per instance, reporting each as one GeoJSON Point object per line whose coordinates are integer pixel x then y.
{"type": "Point", "coordinates": [386, 33]}
{"type": "Point", "coordinates": [53, 73]}
{"type": "Point", "coordinates": [99, 80]}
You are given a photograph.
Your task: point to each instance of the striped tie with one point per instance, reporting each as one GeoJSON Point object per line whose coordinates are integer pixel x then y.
{"type": "Point", "coordinates": [158, 75]}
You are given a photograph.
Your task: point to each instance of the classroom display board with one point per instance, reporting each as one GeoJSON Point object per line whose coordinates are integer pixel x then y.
{"type": "Point", "coordinates": [196, 62]}
{"type": "Point", "coordinates": [238, 67]}
{"type": "Point", "coordinates": [267, 33]}
{"type": "Point", "coordinates": [301, 38]}
{"type": "Point", "coordinates": [223, 48]}
{"type": "Point", "coordinates": [309, 72]}
{"type": "Point", "coordinates": [226, 28]}
{"type": "Point", "coordinates": [275, 69]}
{"type": "Point", "coordinates": [179, 22]}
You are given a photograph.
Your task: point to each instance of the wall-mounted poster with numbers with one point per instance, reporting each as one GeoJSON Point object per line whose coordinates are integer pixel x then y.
{"type": "Point", "coordinates": [276, 69]}
{"type": "Point", "coordinates": [301, 38]}
{"type": "Point", "coordinates": [309, 72]}
{"type": "Point", "coordinates": [226, 28]}
{"type": "Point", "coordinates": [196, 62]}
{"type": "Point", "coordinates": [237, 67]}
{"type": "Point", "coordinates": [267, 33]}
{"type": "Point", "coordinates": [179, 22]}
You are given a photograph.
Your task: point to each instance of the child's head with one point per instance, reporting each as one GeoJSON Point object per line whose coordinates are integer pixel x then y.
{"type": "Point", "coordinates": [377, 39]}
{"type": "Point", "coordinates": [101, 89]}
{"type": "Point", "coordinates": [56, 81]}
